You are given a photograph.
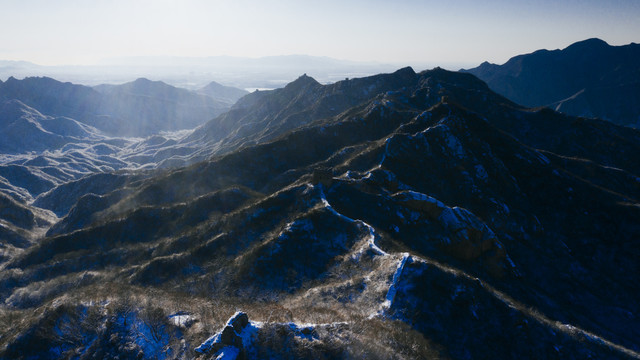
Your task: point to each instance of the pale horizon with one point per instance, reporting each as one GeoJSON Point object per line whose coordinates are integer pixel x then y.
{"type": "Point", "coordinates": [72, 32]}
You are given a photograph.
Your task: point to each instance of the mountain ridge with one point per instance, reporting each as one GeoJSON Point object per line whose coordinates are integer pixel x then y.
{"type": "Point", "coordinates": [416, 207]}
{"type": "Point", "coordinates": [560, 78]}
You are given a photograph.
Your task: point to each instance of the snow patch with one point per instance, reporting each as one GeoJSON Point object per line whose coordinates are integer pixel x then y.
{"type": "Point", "coordinates": [414, 195]}
{"type": "Point", "coordinates": [386, 150]}
{"type": "Point", "coordinates": [207, 344]}
{"type": "Point", "coordinates": [304, 331]}
{"type": "Point", "coordinates": [228, 353]}
{"type": "Point", "coordinates": [181, 319]}
{"type": "Point", "coordinates": [371, 240]}
{"type": "Point", "coordinates": [393, 288]}
{"type": "Point", "coordinates": [250, 333]}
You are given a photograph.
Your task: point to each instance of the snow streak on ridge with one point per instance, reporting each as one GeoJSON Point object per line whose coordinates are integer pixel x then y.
{"type": "Point", "coordinates": [370, 238]}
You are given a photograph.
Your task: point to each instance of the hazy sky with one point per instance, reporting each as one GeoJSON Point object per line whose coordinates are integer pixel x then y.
{"type": "Point", "coordinates": [400, 31]}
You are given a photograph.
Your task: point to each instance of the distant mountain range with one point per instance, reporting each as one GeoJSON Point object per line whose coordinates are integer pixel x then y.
{"type": "Point", "coordinates": [196, 72]}
{"type": "Point", "coordinates": [589, 78]}
{"type": "Point", "coordinates": [223, 93]}
{"type": "Point", "coordinates": [138, 108]}
{"type": "Point", "coordinates": [403, 215]}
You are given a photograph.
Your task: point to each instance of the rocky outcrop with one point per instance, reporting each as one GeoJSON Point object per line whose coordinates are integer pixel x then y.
{"type": "Point", "coordinates": [227, 344]}
{"type": "Point", "coordinates": [469, 236]}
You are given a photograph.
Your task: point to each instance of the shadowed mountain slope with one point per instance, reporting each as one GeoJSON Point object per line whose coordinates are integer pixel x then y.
{"type": "Point", "coordinates": [589, 78]}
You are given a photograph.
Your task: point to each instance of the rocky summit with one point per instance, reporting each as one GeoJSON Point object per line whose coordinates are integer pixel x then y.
{"type": "Point", "coordinates": [399, 216]}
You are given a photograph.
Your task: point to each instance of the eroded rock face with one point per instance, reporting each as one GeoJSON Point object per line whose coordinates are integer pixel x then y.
{"type": "Point", "coordinates": [229, 337]}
